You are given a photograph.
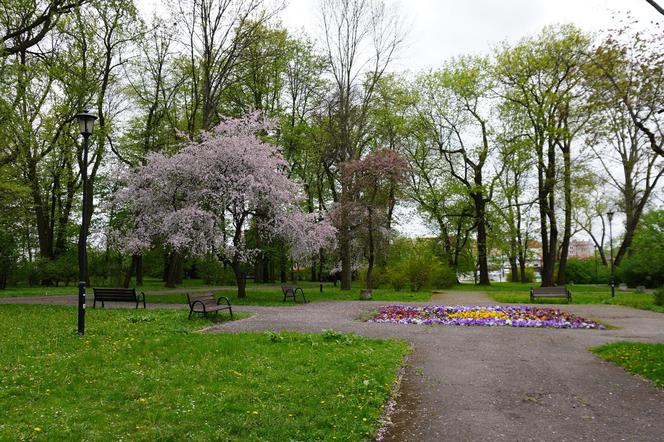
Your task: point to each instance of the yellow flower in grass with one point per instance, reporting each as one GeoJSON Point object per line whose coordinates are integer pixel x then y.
{"type": "Point", "coordinates": [37, 429]}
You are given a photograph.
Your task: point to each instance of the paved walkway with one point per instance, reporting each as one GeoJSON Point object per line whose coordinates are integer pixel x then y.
{"type": "Point", "coordinates": [499, 383]}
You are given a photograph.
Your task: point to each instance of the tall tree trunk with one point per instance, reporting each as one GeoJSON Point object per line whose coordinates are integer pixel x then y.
{"type": "Point", "coordinates": [522, 269]}
{"type": "Point", "coordinates": [514, 276]}
{"type": "Point", "coordinates": [139, 270]}
{"type": "Point", "coordinates": [549, 231]}
{"type": "Point", "coordinates": [567, 233]}
{"type": "Point", "coordinates": [482, 261]}
{"type": "Point", "coordinates": [346, 270]}
{"type": "Point", "coordinates": [371, 252]}
{"type": "Point", "coordinates": [174, 267]}
{"type": "Point", "coordinates": [135, 268]}
{"type": "Point", "coordinates": [321, 260]}
{"type": "Point", "coordinates": [129, 273]}
{"type": "Point", "coordinates": [240, 280]}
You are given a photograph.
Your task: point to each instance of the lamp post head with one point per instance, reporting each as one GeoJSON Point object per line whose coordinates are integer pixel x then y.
{"type": "Point", "coordinates": [610, 216]}
{"type": "Point", "coordinates": [86, 122]}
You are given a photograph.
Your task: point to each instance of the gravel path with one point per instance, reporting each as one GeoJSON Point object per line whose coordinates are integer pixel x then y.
{"type": "Point", "coordinates": [497, 383]}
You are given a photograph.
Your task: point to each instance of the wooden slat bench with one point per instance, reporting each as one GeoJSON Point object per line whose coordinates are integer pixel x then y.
{"type": "Point", "coordinates": [206, 303]}
{"type": "Point", "coordinates": [550, 292]}
{"type": "Point", "coordinates": [103, 294]}
{"type": "Point", "coordinates": [290, 291]}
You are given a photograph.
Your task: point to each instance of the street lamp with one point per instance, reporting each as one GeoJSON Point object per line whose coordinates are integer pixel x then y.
{"type": "Point", "coordinates": [86, 122]}
{"type": "Point", "coordinates": [613, 279]}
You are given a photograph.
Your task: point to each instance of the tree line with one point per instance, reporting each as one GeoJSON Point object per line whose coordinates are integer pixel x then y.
{"type": "Point", "coordinates": [534, 141]}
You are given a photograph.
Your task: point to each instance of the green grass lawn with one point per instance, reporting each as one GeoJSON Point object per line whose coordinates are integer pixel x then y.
{"type": "Point", "coordinates": [517, 293]}
{"type": "Point", "coordinates": [262, 295]}
{"type": "Point", "coordinates": [257, 294]}
{"type": "Point", "coordinates": [147, 375]}
{"type": "Point", "coordinates": [646, 360]}
{"type": "Point", "coordinates": [149, 284]}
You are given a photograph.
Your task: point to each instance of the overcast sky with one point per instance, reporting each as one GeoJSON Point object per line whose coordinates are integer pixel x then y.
{"type": "Point", "coordinates": [439, 29]}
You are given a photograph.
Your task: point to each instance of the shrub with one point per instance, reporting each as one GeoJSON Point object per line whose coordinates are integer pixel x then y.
{"type": "Point", "coordinates": [659, 296]}
{"type": "Point", "coordinates": [645, 263]}
{"type": "Point", "coordinates": [61, 269]}
{"type": "Point", "coordinates": [423, 272]}
{"type": "Point", "coordinates": [580, 271]}
{"type": "Point", "coordinates": [381, 277]}
{"type": "Point", "coordinates": [418, 273]}
{"type": "Point", "coordinates": [398, 278]}
{"type": "Point", "coordinates": [443, 277]}
{"type": "Point", "coordinates": [8, 256]}
{"type": "Point", "coordinates": [530, 275]}
{"type": "Point", "coordinates": [212, 272]}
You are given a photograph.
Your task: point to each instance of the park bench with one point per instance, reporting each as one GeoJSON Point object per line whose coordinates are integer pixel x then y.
{"type": "Point", "coordinates": [103, 294]}
{"type": "Point", "coordinates": [550, 292]}
{"type": "Point", "coordinates": [290, 291]}
{"type": "Point", "coordinates": [205, 303]}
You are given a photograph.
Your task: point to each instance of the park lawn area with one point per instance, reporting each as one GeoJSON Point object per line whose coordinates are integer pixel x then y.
{"type": "Point", "coordinates": [257, 294]}
{"type": "Point", "coordinates": [644, 359]}
{"type": "Point", "coordinates": [147, 375]}
{"type": "Point", "coordinates": [272, 295]}
{"type": "Point", "coordinates": [149, 284]}
{"type": "Point", "coordinates": [517, 293]}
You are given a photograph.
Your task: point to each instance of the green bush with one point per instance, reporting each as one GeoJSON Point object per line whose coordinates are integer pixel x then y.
{"type": "Point", "coordinates": [8, 256]}
{"type": "Point", "coordinates": [381, 278]}
{"type": "Point", "coordinates": [442, 277]}
{"type": "Point", "coordinates": [398, 278]}
{"type": "Point", "coordinates": [418, 273]}
{"type": "Point", "coordinates": [212, 272]}
{"type": "Point", "coordinates": [530, 275]}
{"type": "Point", "coordinates": [645, 263]}
{"type": "Point", "coordinates": [423, 272]}
{"type": "Point", "coordinates": [659, 296]}
{"type": "Point", "coordinates": [61, 269]}
{"type": "Point", "coordinates": [580, 271]}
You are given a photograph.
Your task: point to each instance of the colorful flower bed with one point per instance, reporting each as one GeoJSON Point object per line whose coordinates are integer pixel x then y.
{"type": "Point", "coordinates": [515, 316]}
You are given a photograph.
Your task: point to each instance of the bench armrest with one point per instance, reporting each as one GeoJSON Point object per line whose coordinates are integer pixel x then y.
{"type": "Point", "coordinates": [228, 303]}
{"type": "Point", "coordinates": [191, 305]}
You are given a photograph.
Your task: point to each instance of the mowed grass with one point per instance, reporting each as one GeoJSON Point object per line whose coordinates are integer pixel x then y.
{"type": "Point", "coordinates": [517, 293]}
{"type": "Point", "coordinates": [149, 285]}
{"type": "Point", "coordinates": [257, 294]}
{"type": "Point", "coordinates": [147, 375]}
{"type": "Point", "coordinates": [646, 360]}
{"type": "Point", "coordinates": [271, 295]}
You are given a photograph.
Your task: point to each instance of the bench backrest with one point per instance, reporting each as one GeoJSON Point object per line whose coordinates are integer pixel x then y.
{"type": "Point", "coordinates": [205, 298]}
{"type": "Point", "coordinates": [288, 288]}
{"type": "Point", "coordinates": [549, 291]}
{"type": "Point", "coordinates": [114, 294]}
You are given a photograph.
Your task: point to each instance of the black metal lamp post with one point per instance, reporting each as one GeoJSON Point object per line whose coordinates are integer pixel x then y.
{"type": "Point", "coordinates": [613, 279]}
{"type": "Point", "coordinates": [86, 122]}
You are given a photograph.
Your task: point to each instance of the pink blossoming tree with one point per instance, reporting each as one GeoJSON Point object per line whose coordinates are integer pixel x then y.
{"type": "Point", "coordinates": [371, 183]}
{"type": "Point", "coordinates": [202, 199]}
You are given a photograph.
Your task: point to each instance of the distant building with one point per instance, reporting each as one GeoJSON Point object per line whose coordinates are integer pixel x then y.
{"type": "Point", "coordinates": [581, 249]}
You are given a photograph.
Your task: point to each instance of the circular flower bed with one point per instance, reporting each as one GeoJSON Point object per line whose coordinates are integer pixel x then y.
{"type": "Point", "coordinates": [515, 316]}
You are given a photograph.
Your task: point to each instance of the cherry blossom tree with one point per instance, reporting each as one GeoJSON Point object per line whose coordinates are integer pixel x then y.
{"type": "Point", "coordinates": [372, 181]}
{"type": "Point", "coordinates": [202, 199]}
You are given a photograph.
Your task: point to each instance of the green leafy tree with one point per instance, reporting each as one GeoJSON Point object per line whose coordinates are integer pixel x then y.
{"type": "Point", "coordinates": [644, 265]}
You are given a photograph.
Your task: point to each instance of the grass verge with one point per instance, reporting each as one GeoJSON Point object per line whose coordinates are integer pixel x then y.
{"type": "Point", "coordinates": [257, 294]}
{"type": "Point", "coordinates": [646, 360]}
{"type": "Point", "coordinates": [517, 293]}
{"type": "Point", "coordinates": [147, 376]}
